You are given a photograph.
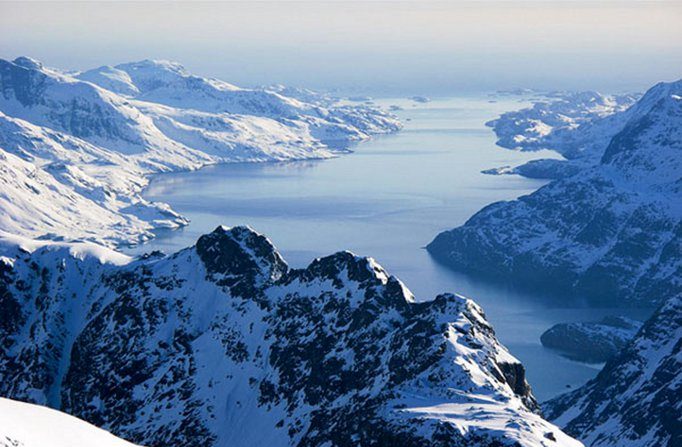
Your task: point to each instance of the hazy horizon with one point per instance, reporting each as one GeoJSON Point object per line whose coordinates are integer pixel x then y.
{"type": "Point", "coordinates": [375, 48]}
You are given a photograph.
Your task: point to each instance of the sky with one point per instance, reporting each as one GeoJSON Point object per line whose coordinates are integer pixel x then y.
{"type": "Point", "coordinates": [381, 48]}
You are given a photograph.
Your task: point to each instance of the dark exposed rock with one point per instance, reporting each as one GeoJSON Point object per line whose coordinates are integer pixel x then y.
{"type": "Point", "coordinates": [636, 400]}
{"type": "Point", "coordinates": [611, 233]}
{"type": "Point", "coordinates": [222, 345]}
{"type": "Point", "coordinates": [592, 342]}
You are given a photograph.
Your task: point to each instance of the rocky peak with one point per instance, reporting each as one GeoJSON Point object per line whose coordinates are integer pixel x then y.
{"type": "Point", "coordinates": [355, 268]}
{"type": "Point", "coordinates": [380, 291]}
{"type": "Point", "coordinates": [28, 62]}
{"type": "Point", "coordinates": [335, 354]}
{"type": "Point", "coordinates": [240, 258]}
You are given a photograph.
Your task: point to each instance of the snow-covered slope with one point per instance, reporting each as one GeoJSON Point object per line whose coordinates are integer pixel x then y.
{"type": "Point", "coordinates": [95, 137]}
{"type": "Point", "coordinates": [636, 400]}
{"type": "Point", "coordinates": [46, 97]}
{"type": "Point", "coordinates": [27, 425]}
{"type": "Point", "coordinates": [576, 125]}
{"type": "Point", "coordinates": [57, 186]}
{"type": "Point", "coordinates": [34, 201]}
{"type": "Point", "coordinates": [555, 123]}
{"type": "Point", "coordinates": [612, 233]}
{"type": "Point", "coordinates": [222, 344]}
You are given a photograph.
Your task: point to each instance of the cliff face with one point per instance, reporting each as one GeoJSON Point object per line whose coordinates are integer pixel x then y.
{"type": "Point", "coordinates": [222, 344]}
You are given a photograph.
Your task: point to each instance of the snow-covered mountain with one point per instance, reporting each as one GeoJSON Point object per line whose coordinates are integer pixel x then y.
{"type": "Point", "coordinates": [576, 125]}
{"type": "Point", "coordinates": [95, 137]}
{"type": "Point", "coordinates": [27, 425]}
{"type": "Point", "coordinates": [222, 344]}
{"type": "Point", "coordinates": [611, 233]}
{"type": "Point", "coordinates": [58, 186]}
{"type": "Point", "coordinates": [554, 123]}
{"type": "Point", "coordinates": [636, 400]}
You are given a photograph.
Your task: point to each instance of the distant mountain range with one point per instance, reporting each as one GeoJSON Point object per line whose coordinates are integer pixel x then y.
{"type": "Point", "coordinates": [222, 344]}
{"type": "Point", "coordinates": [611, 232]}
{"type": "Point", "coordinates": [77, 147]}
{"type": "Point", "coordinates": [576, 125]}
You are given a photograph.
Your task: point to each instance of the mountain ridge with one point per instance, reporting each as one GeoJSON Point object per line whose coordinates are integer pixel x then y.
{"type": "Point", "coordinates": [100, 146]}
{"type": "Point", "coordinates": [223, 344]}
{"type": "Point", "coordinates": [610, 233]}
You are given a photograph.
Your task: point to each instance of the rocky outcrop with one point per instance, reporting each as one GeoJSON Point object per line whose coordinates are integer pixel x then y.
{"type": "Point", "coordinates": [222, 344]}
{"type": "Point", "coordinates": [636, 400]}
{"type": "Point", "coordinates": [592, 342]}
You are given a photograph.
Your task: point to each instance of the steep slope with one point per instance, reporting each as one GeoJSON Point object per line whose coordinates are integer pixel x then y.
{"type": "Point", "coordinates": [222, 344]}
{"type": "Point", "coordinates": [611, 233]}
{"type": "Point", "coordinates": [27, 425]}
{"type": "Point", "coordinates": [58, 200]}
{"type": "Point", "coordinates": [49, 98]}
{"type": "Point", "coordinates": [591, 342]}
{"type": "Point", "coordinates": [59, 185]}
{"type": "Point", "coordinates": [578, 126]}
{"type": "Point", "coordinates": [96, 137]}
{"type": "Point", "coordinates": [636, 400]}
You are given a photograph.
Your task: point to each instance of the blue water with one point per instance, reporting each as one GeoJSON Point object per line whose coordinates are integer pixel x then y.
{"type": "Point", "coordinates": [387, 200]}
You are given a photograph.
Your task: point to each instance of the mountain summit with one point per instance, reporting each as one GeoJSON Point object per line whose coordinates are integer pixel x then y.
{"type": "Point", "coordinates": [222, 344]}
{"type": "Point", "coordinates": [610, 233]}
